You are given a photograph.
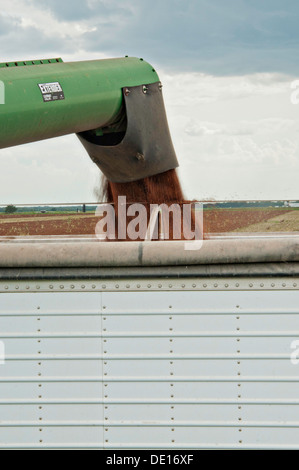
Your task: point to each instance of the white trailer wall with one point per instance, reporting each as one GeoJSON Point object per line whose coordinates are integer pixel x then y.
{"type": "Point", "coordinates": [150, 363]}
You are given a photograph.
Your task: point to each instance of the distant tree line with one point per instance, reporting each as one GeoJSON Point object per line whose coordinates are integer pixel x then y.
{"type": "Point", "coordinates": [11, 209]}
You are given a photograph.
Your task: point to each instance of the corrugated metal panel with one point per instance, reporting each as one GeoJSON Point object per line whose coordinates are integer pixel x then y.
{"type": "Point", "coordinates": [207, 369]}
{"type": "Point", "coordinates": [148, 365]}
{"type": "Point", "coordinates": [50, 391]}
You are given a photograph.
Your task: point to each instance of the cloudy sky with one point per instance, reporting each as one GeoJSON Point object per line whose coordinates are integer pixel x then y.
{"type": "Point", "coordinates": [227, 67]}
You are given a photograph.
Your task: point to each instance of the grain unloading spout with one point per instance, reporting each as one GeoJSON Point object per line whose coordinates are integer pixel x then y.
{"type": "Point", "coordinates": [141, 145]}
{"type": "Point", "coordinates": [115, 106]}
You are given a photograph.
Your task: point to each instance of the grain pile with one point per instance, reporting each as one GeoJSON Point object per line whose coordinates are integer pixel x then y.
{"type": "Point", "coordinates": [163, 188]}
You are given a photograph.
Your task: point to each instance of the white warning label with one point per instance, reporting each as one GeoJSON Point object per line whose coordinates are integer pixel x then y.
{"type": "Point", "coordinates": [51, 91]}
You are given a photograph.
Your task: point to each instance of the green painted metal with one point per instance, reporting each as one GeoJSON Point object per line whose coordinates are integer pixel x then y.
{"type": "Point", "coordinates": [92, 97]}
{"type": "Point", "coordinates": [29, 62]}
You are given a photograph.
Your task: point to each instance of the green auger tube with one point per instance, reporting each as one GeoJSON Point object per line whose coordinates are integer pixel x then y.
{"type": "Point", "coordinates": [115, 106]}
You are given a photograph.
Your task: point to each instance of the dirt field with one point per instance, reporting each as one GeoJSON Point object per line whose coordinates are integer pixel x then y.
{"type": "Point", "coordinates": [229, 220]}
{"type": "Point", "coordinates": [47, 224]}
{"type": "Point", "coordinates": [215, 220]}
{"type": "Point", "coordinates": [286, 222]}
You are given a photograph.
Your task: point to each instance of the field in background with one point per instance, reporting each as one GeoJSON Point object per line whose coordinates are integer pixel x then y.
{"type": "Point", "coordinates": [216, 220]}
{"type": "Point", "coordinates": [23, 224]}
{"type": "Point", "coordinates": [285, 222]}
{"type": "Point", "coordinates": [230, 220]}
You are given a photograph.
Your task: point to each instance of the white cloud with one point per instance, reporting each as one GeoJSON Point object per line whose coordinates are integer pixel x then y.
{"type": "Point", "coordinates": [197, 88]}
{"type": "Point", "coordinates": [236, 136]}
{"type": "Point", "coordinates": [28, 14]}
{"type": "Point", "coordinates": [259, 127]}
{"type": "Point", "coordinates": [228, 147]}
{"type": "Point", "coordinates": [56, 170]}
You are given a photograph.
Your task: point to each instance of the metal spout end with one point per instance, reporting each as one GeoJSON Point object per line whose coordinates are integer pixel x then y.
{"type": "Point", "coordinates": [145, 148]}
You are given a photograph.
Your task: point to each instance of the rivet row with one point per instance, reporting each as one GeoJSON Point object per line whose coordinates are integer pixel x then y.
{"type": "Point", "coordinates": [132, 287]}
